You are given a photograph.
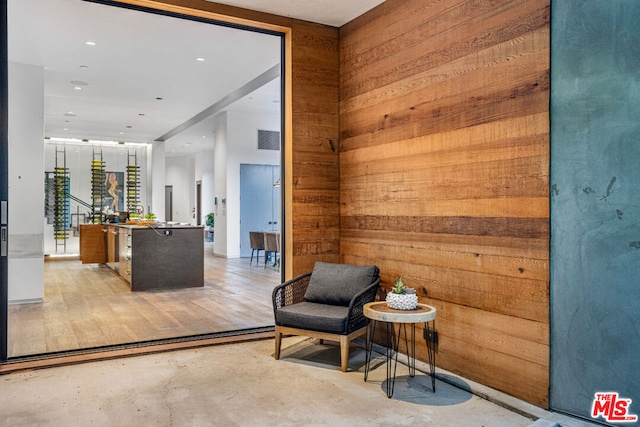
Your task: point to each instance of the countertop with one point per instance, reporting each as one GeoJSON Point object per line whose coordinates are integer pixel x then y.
{"type": "Point", "coordinates": [157, 225]}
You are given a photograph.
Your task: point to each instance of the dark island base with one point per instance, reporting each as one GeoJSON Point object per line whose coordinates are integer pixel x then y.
{"type": "Point", "coordinates": [167, 258]}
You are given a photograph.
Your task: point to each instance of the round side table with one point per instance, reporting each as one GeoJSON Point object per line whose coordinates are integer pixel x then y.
{"type": "Point", "coordinates": [379, 312]}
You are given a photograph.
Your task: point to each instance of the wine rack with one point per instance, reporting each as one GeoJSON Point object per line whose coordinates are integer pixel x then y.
{"type": "Point", "coordinates": [133, 182]}
{"type": "Point", "coordinates": [97, 187]}
{"type": "Point", "coordinates": [61, 208]}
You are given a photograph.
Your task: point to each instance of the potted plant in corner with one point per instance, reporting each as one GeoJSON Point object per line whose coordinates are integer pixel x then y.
{"type": "Point", "coordinates": [402, 297]}
{"type": "Point", "coordinates": [209, 222]}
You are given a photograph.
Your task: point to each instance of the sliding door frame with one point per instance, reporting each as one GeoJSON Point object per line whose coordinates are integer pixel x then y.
{"type": "Point", "coordinates": [156, 7]}
{"type": "Point", "coordinates": [4, 179]}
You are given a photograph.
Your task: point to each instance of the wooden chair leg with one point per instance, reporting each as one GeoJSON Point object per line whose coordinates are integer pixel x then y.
{"type": "Point", "coordinates": [344, 352]}
{"type": "Point", "coordinates": [278, 342]}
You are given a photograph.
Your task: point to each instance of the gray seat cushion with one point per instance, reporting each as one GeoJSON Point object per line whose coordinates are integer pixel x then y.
{"type": "Point", "coordinates": [316, 317]}
{"type": "Point", "coordinates": [337, 284]}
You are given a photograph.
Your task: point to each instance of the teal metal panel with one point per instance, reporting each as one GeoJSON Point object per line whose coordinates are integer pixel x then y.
{"type": "Point", "coordinates": [595, 203]}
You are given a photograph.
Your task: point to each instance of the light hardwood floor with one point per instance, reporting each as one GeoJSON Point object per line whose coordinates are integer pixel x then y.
{"type": "Point", "coordinates": [87, 306]}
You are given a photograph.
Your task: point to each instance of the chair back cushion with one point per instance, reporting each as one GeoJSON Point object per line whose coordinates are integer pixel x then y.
{"type": "Point", "coordinates": [256, 239]}
{"type": "Point", "coordinates": [337, 284]}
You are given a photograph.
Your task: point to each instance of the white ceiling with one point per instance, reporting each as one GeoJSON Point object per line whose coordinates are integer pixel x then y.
{"type": "Point", "coordinates": [330, 12]}
{"type": "Point", "coordinates": [139, 57]}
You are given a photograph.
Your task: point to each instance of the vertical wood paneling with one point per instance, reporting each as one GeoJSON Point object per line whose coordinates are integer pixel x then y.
{"type": "Point", "coordinates": [315, 157]}
{"type": "Point", "coordinates": [444, 174]}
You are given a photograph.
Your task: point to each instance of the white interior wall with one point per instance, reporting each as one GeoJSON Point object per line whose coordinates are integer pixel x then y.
{"type": "Point", "coordinates": [156, 172]}
{"type": "Point", "coordinates": [179, 175]}
{"type": "Point", "coordinates": [197, 160]}
{"type": "Point", "coordinates": [242, 131]}
{"type": "Point", "coordinates": [192, 193]}
{"type": "Point", "coordinates": [220, 185]}
{"type": "Point", "coordinates": [204, 173]}
{"type": "Point", "coordinates": [26, 188]}
{"type": "Point", "coordinates": [208, 183]}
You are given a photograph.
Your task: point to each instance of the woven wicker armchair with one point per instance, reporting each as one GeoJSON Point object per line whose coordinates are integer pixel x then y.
{"type": "Point", "coordinates": [326, 303]}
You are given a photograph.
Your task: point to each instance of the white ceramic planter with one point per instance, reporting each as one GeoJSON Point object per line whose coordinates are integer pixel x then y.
{"type": "Point", "coordinates": [402, 301]}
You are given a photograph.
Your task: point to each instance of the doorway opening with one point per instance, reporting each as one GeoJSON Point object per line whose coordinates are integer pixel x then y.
{"type": "Point", "coordinates": [168, 202]}
{"type": "Point", "coordinates": [199, 203]}
{"type": "Point", "coordinates": [192, 150]}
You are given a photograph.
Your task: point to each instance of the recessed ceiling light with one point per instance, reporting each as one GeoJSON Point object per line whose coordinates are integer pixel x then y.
{"type": "Point", "coordinates": [65, 128]}
{"type": "Point", "coordinates": [159, 98]}
{"type": "Point", "coordinates": [187, 143]}
{"type": "Point", "coordinates": [129, 127]}
{"type": "Point", "coordinates": [70, 114]}
{"type": "Point", "coordinates": [77, 88]}
{"type": "Point", "coordinates": [201, 59]}
{"type": "Point", "coordinates": [121, 133]}
{"type": "Point", "coordinates": [90, 43]}
{"type": "Point", "coordinates": [141, 114]}
{"type": "Point", "coordinates": [84, 67]}
{"type": "Point", "coordinates": [203, 136]}
{"type": "Point", "coordinates": [79, 83]}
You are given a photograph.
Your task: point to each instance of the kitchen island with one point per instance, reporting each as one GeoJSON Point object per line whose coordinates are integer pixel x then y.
{"type": "Point", "coordinates": [155, 257]}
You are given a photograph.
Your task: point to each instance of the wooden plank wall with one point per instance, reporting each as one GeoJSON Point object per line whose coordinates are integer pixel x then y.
{"type": "Point", "coordinates": [315, 162]}
{"type": "Point", "coordinates": [444, 160]}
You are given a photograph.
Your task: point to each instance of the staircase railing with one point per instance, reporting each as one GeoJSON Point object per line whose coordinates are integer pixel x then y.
{"type": "Point", "coordinates": [78, 208]}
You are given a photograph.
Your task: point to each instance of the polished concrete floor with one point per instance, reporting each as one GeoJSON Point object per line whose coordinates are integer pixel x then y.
{"type": "Point", "coordinates": [243, 385]}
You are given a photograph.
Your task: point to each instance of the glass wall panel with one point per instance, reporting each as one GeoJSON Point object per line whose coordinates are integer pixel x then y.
{"type": "Point", "coordinates": [107, 106]}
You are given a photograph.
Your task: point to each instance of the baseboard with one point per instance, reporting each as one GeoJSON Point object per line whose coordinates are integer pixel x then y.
{"type": "Point", "coordinates": [26, 301]}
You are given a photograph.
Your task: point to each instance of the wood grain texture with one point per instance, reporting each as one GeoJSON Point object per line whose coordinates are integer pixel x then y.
{"type": "Point", "coordinates": [89, 306]}
{"type": "Point", "coordinates": [315, 157]}
{"type": "Point", "coordinates": [93, 243]}
{"type": "Point", "coordinates": [444, 174]}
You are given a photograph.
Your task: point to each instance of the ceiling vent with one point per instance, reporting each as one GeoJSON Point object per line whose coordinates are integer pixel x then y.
{"type": "Point", "coordinates": [268, 140]}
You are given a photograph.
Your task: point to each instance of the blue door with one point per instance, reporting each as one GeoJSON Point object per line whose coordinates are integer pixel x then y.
{"type": "Point", "coordinates": [259, 202]}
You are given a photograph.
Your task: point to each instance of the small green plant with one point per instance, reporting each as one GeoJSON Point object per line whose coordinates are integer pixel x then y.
{"type": "Point", "coordinates": [400, 288]}
{"type": "Point", "coordinates": [150, 216]}
{"type": "Point", "coordinates": [210, 220]}
{"type": "Point", "coordinates": [134, 215]}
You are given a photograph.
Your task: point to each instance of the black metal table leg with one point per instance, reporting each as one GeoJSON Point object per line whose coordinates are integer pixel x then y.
{"type": "Point", "coordinates": [371, 330]}
{"type": "Point", "coordinates": [393, 343]}
{"type": "Point", "coordinates": [380, 311]}
{"type": "Point", "coordinates": [431, 353]}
